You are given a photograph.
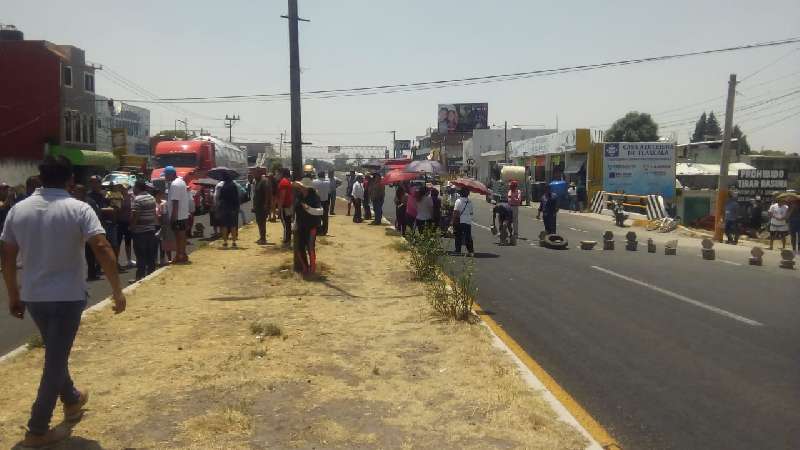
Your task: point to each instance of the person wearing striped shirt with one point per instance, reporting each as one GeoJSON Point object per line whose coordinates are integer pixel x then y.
{"type": "Point", "coordinates": [143, 226]}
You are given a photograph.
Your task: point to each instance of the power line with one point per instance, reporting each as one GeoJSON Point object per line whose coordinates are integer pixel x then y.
{"type": "Point", "coordinates": [769, 65]}
{"type": "Point", "coordinates": [783, 119]}
{"type": "Point", "coordinates": [405, 87]}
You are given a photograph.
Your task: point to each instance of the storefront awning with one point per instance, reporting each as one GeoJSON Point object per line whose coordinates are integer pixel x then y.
{"type": "Point", "coordinates": [78, 157]}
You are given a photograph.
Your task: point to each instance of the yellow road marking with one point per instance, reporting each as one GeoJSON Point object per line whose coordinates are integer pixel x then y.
{"type": "Point", "coordinates": [581, 415]}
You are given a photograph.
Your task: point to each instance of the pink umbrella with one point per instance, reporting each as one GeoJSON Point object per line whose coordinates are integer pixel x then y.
{"type": "Point", "coordinates": [398, 176]}
{"type": "Point", "coordinates": [472, 184]}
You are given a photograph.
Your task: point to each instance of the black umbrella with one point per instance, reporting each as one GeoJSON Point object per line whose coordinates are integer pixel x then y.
{"type": "Point", "coordinates": [206, 182]}
{"type": "Point", "coordinates": [218, 173]}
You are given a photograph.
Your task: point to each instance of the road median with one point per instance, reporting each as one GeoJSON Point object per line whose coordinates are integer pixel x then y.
{"type": "Point", "coordinates": [234, 351]}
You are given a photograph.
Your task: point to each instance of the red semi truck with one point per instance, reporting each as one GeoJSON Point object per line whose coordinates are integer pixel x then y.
{"type": "Point", "coordinates": [193, 159]}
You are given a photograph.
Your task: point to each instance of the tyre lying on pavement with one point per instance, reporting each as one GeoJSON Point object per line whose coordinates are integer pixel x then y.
{"type": "Point", "coordinates": [554, 241]}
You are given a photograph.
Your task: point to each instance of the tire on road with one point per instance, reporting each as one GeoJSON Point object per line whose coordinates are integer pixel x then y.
{"type": "Point", "coordinates": [555, 242]}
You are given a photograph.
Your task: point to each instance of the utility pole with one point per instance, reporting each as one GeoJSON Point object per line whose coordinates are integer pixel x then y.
{"type": "Point", "coordinates": [294, 85]}
{"type": "Point", "coordinates": [722, 186]}
{"type": "Point", "coordinates": [229, 125]}
{"type": "Point", "coordinates": [505, 141]}
{"type": "Point", "coordinates": [394, 143]}
{"type": "Point", "coordinates": [280, 149]}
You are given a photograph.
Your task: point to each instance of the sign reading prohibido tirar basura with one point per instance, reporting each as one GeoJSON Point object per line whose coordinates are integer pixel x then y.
{"type": "Point", "coordinates": [763, 183]}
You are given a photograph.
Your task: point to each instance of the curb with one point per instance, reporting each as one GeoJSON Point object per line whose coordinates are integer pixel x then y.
{"type": "Point", "coordinates": [566, 408]}
{"type": "Point", "coordinates": [88, 311]}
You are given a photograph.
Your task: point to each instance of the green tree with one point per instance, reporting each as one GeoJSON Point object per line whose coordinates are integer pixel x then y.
{"type": "Point", "coordinates": [713, 131]}
{"type": "Point", "coordinates": [340, 162]}
{"type": "Point", "coordinates": [700, 129]}
{"type": "Point", "coordinates": [634, 127]}
{"type": "Point", "coordinates": [744, 147]}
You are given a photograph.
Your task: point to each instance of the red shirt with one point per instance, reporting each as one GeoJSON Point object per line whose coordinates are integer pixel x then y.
{"type": "Point", "coordinates": [286, 186]}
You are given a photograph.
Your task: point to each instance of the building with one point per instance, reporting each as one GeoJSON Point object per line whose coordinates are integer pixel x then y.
{"type": "Point", "coordinates": [489, 142]}
{"type": "Point", "coordinates": [707, 152]}
{"type": "Point", "coordinates": [134, 120]}
{"type": "Point", "coordinates": [557, 156]}
{"type": "Point", "coordinates": [48, 100]}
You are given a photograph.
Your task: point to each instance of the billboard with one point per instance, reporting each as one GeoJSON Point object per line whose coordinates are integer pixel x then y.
{"type": "Point", "coordinates": [463, 117]}
{"type": "Point", "coordinates": [639, 168]}
{"type": "Point", "coordinates": [761, 183]}
{"type": "Point", "coordinates": [402, 145]}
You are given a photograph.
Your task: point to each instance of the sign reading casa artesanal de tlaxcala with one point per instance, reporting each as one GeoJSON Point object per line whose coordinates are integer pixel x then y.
{"type": "Point", "coordinates": [639, 168]}
{"type": "Point", "coordinates": [760, 182]}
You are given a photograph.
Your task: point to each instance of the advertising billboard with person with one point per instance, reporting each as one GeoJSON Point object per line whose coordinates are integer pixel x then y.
{"type": "Point", "coordinates": [462, 117]}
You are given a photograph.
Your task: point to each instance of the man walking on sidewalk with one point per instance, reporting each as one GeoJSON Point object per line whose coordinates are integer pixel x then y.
{"type": "Point", "coordinates": [514, 201]}
{"type": "Point", "coordinates": [178, 211]}
{"type": "Point", "coordinates": [143, 226]}
{"type": "Point", "coordinates": [48, 230]}
{"type": "Point", "coordinates": [377, 193]}
{"type": "Point", "coordinates": [262, 205]}
{"type": "Point", "coordinates": [323, 188]}
{"type": "Point", "coordinates": [357, 196]}
{"type": "Point", "coordinates": [334, 185]}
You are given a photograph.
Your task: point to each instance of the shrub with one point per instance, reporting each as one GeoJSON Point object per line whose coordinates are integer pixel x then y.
{"type": "Point", "coordinates": [453, 298]}
{"type": "Point", "coordinates": [265, 329]}
{"type": "Point", "coordinates": [426, 253]}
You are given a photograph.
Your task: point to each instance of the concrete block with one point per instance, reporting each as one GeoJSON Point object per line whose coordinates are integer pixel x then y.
{"type": "Point", "coordinates": [588, 245]}
{"type": "Point", "coordinates": [631, 246]}
{"type": "Point", "coordinates": [709, 254]}
{"type": "Point", "coordinates": [651, 246]}
{"type": "Point", "coordinates": [608, 245]}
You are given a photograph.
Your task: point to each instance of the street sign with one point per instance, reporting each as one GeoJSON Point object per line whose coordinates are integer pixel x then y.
{"type": "Point", "coordinates": [639, 168]}
{"type": "Point", "coordinates": [757, 182]}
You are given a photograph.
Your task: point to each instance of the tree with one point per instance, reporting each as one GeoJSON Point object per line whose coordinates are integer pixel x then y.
{"type": "Point", "coordinates": [713, 131]}
{"type": "Point", "coordinates": [340, 162]}
{"type": "Point", "coordinates": [700, 129]}
{"type": "Point", "coordinates": [634, 127]}
{"type": "Point", "coordinates": [744, 147]}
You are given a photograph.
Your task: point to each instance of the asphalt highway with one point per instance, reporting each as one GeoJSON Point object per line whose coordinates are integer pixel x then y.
{"type": "Point", "coordinates": [14, 332]}
{"type": "Point", "coordinates": [666, 352]}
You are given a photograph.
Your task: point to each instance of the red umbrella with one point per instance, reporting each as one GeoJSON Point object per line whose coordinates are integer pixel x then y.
{"type": "Point", "coordinates": [472, 184]}
{"type": "Point", "coordinates": [397, 176]}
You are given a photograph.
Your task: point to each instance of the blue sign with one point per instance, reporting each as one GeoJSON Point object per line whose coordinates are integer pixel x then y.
{"type": "Point", "coordinates": [639, 168]}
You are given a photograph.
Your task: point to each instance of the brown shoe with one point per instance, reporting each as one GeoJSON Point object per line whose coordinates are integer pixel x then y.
{"type": "Point", "coordinates": [53, 436]}
{"type": "Point", "coordinates": [74, 412]}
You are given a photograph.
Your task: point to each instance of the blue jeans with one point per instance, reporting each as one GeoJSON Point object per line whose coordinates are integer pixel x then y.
{"type": "Point", "coordinates": [58, 324]}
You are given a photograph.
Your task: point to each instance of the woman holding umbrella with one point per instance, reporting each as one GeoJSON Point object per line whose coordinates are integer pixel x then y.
{"type": "Point", "coordinates": [228, 210]}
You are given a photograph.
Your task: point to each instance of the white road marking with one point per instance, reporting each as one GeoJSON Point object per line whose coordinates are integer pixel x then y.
{"type": "Point", "coordinates": [682, 298]}
{"type": "Point", "coordinates": [724, 261]}
{"type": "Point", "coordinates": [482, 226]}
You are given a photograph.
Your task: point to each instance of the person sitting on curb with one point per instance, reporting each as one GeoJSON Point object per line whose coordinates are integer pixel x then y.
{"type": "Point", "coordinates": [48, 231]}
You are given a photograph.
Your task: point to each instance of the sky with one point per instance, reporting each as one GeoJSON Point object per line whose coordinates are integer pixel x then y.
{"type": "Point", "coordinates": [196, 48]}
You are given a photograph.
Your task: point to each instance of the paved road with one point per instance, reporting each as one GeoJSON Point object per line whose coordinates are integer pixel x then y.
{"type": "Point", "coordinates": [666, 352]}
{"type": "Point", "coordinates": [14, 332]}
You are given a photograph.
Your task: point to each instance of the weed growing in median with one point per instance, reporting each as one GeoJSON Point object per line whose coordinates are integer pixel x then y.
{"type": "Point", "coordinates": [452, 298]}
{"type": "Point", "coordinates": [265, 329]}
{"type": "Point", "coordinates": [35, 341]}
{"type": "Point", "coordinates": [427, 253]}
{"type": "Point", "coordinates": [400, 245]}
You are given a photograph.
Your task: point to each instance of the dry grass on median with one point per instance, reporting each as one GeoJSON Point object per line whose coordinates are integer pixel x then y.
{"type": "Point", "coordinates": [232, 353]}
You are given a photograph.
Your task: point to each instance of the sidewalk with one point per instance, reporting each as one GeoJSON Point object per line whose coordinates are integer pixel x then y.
{"type": "Point", "coordinates": [235, 352]}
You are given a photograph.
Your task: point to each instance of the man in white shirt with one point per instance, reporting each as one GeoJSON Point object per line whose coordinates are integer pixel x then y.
{"type": "Point", "coordinates": [357, 195]}
{"type": "Point", "coordinates": [778, 225]}
{"type": "Point", "coordinates": [48, 231]}
{"type": "Point", "coordinates": [323, 188]}
{"type": "Point", "coordinates": [178, 211]}
{"type": "Point", "coordinates": [462, 222]}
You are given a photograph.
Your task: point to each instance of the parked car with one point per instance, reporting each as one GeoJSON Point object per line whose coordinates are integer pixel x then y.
{"type": "Point", "coordinates": [119, 178]}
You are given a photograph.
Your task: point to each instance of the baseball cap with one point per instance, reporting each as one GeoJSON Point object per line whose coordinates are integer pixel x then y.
{"type": "Point", "coordinates": [170, 170]}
